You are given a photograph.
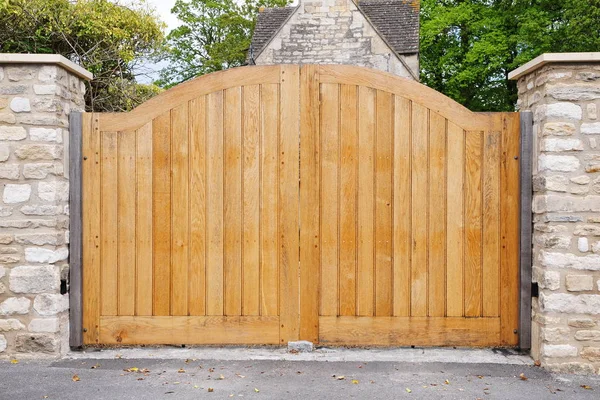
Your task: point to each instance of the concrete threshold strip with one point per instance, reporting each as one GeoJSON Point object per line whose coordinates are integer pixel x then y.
{"type": "Point", "coordinates": [417, 355]}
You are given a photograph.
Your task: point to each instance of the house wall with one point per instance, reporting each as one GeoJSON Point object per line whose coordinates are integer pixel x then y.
{"type": "Point", "coordinates": [565, 100]}
{"type": "Point", "coordinates": [35, 102]}
{"type": "Point", "coordinates": [333, 32]}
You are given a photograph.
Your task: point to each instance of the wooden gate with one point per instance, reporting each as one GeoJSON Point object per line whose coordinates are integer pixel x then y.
{"type": "Point", "coordinates": [333, 204]}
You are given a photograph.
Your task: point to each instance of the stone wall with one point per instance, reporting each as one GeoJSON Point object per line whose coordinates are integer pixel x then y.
{"type": "Point", "coordinates": [565, 100]}
{"type": "Point", "coordinates": [35, 102]}
{"type": "Point", "coordinates": [334, 32]}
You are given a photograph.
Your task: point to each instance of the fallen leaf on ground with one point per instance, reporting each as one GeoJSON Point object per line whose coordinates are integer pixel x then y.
{"type": "Point", "coordinates": [537, 363]}
{"type": "Point", "coordinates": [132, 369]}
{"type": "Point", "coordinates": [14, 361]}
{"type": "Point", "coordinates": [118, 356]}
{"type": "Point", "coordinates": [75, 378]}
{"type": "Point", "coordinates": [211, 370]}
{"type": "Point", "coordinates": [95, 366]}
{"type": "Point", "coordinates": [586, 387]}
{"type": "Point", "coordinates": [480, 376]}
{"type": "Point", "coordinates": [240, 376]}
{"type": "Point", "coordinates": [447, 382]}
{"type": "Point", "coordinates": [340, 378]}
{"type": "Point", "coordinates": [523, 377]}
{"type": "Point", "coordinates": [195, 386]}
{"type": "Point", "coordinates": [355, 381]}
{"type": "Point", "coordinates": [140, 379]}
{"type": "Point", "coordinates": [220, 378]}
{"type": "Point", "coordinates": [210, 390]}
{"type": "Point", "coordinates": [256, 390]}
{"type": "Point", "coordinates": [181, 371]}
{"type": "Point", "coordinates": [408, 390]}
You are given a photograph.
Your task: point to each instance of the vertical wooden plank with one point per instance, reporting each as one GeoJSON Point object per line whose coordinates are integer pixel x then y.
{"type": "Point", "coordinates": [348, 198]}
{"type": "Point", "coordinates": [197, 272]}
{"type": "Point", "coordinates": [76, 230]}
{"type": "Point", "coordinates": [180, 210]}
{"type": "Point", "coordinates": [473, 223]}
{"type": "Point", "coordinates": [126, 210]}
{"type": "Point", "coordinates": [214, 205]}
{"type": "Point", "coordinates": [437, 216]}
{"type": "Point", "coordinates": [402, 207]}
{"type": "Point", "coordinates": [509, 219]}
{"type": "Point", "coordinates": [491, 221]}
{"type": "Point", "coordinates": [109, 224]}
{"type": "Point", "coordinates": [420, 195]}
{"type": "Point", "coordinates": [455, 222]}
{"type": "Point", "coordinates": [366, 190]}
{"type": "Point", "coordinates": [143, 299]}
{"type": "Point", "coordinates": [330, 119]}
{"type": "Point", "coordinates": [383, 205]}
{"type": "Point", "coordinates": [251, 202]}
{"type": "Point", "coordinates": [269, 278]}
{"type": "Point", "coordinates": [161, 211]}
{"type": "Point", "coordinates": [309, 204]}
{"type": "Point", "coordinates": [289, 194]}
{"type": "Point", "coordinates": [91, 210]}
{"type": "Point", "coordinates": [233, 202]}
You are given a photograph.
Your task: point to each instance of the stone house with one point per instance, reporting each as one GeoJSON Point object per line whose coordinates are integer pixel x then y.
{"type": "Point", "coordinates": [379, 34]}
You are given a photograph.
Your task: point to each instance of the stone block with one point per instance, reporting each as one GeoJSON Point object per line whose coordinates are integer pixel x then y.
{"type": "Point", "coordinates": [42, 170]}
{"type": "Point", "coordinates": [560, 145]}
{"type": "Point", "coordinates": [8, 325]}
{"type": "Point", "coordinates": [15, 305]}
{"type": "Point", "coordinates": [50, 304]}
{"type": "Point", "coordinates": [39, 152]}
{"type": "Point", "coordinates": [36, 343]}
{"type": "Point", "coordinates": [559, 129]}
{"type": "Point", "coordinates": [581, 180]}
{"type": "Point", "coordinates": [46, 89]}
{"type": "Point", "coordinates": [562, 260]}
{"type": "Point", "coordinates": [558, 163]}
{"type": "Point", "coordinates": [45, 135]}
{"type": "Point", "coordinates": [45, 256]}
{"type": "Point", "coordinates": [548, 279]}
{"type": "Point", "coordinates": [6, 118]}
{"type": "Point", "coordinates": [582, 323]}
{"type": "Point", "coordinates": [10, 172]}
{"type": "Point", "coordinates": [579, 283]}
{"type": "Point", "coordinates": [564, 111]}
{"type": "Point", "coordinates": [4, 152]}
{"type": "Point", "coordinates": [3, 343]}
{"type": "Point", "coordinates": [591, 128]}
{"type": "Point", "coordinates": [12, 133]}
{"type": "Point", "coordinates": [44, 325]}
{"type": "Point", "coordinates": [588, 336]}
{"type": "Point", "coordinates": [553, 335]}
{"type": "Point", "coordinates": [20, 73]}
{"type": "Point", "coordinates": [20, 104]}
{"type": "Point", "coordinates": [570, 304]}
{"type": "Point", "coordinates": [577, 368]}
{"type": "Point", "coordinates": [41, 210]}
{"type": "Point", "coordinates": [592, 111]}
{"type": "Point", "coordinates": [587, 230]}
{"type": "Point", "coordinates": [53, 191]}
{"type": "Point", "coordinates": [583, 245]}
{"type": "Point", "coordinates": [40, 239]}
{"type": "Point", "coordinates": [302, 346]}
{"type": "Point", "coordinates": [591, 353]}
{"type": "Point", "coordinates": [16, 194]}
{"type": "Point", "coordinates": [561, 204]}
{"type": "Point", "coordinates": [34, 279]}
{"type": "Point", "coordinates": [6, 238]}
{"type": "Point", "coordinates": [559, 351]}
{"type": "Point", "coordinates": [574, 93]}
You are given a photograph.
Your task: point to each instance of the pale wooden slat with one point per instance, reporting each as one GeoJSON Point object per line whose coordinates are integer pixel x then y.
{"type": "Point", "coordinates": [473, 223]}
{"type": "Point", "coordinates": [509, 219]}
{"type": "Point", "coordinates": [420, 184]}
{"type": "Point", "coordinates": [161, 211]}
{"type": "Point", "coordinates": [269, 278]}
{"type": "Point", "coordinates": [180, 210]}
{"type": "Point", "coordinates": [348, 198]}
{"type": "Point", "coordinates": [366, 190]}
{"type": "Point", "coordinates": [109, 225]}
{"type": "Point", "coordinates": [415, 331]}
{"type": "Point", "coordinates": [491, 223]}
{"type": "Point", "coordinates": [309, 204]}
{"type": "Point", "coordinates": [189, 330]}
{"type": "Point", "coordinates": [383, 204]}
{"type": "Point", "coordinates": [437, 216]}
{"type": "Point", "coordinates": [330, 129]}
{"type": "Point", "coordinates": [402, 207]}
{"type": "Point", "coordinates": [143, 300]}
{"type": "Point", "coordinates": [233, 202]}
{"type": "Point", "coordinates": [251, 202]}
{"type": "Point", "coordinates": [289, 176]}
{"type": "Point", "coordinates": [214, 205]}
{"type": "Point", "coordinates": [91, 210]}
{"type": "Point", "coordinates": [126, 210]}
{"type": "Point", "coordinates": [455, 222]}
{"type": "Point", "coordinates": [197, 271]}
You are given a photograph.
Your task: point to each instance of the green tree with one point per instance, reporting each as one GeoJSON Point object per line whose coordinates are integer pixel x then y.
{"type": "Point", "coordinates": [109, 39]}
{"type": "Point", "coordinates": [468, 47]}
{"type": "Point", "coordinates": [214, 35]}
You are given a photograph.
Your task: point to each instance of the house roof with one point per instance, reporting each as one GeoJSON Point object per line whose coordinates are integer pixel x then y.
{"type": "Point", "coordinates": [396, 20]}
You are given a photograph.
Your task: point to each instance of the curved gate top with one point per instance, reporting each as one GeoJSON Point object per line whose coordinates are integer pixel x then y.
{"type": "Point", "coordinates": [334, 204]}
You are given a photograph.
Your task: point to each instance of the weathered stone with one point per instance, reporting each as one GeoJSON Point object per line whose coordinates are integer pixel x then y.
{"type": "Point", "coordinates": [34, 279]}
{"type": "Point", "coordinates": [561, 260]}
{"type": "Point", "coordinates": [583, 245]}
{"type": "Point", "coordinates": [12, 89]}
{"type": "Point", "coordinates": [591, 128]}
{"type": "Point", "coordinates": [44, 325]}
{"type": "Point", "coordinates": [10, 172]}
{"type": "Point", "coordinates": [559, 350]}
{"type": "Point", "coordinates": [570, 304]}
{"type": "Point", "coordinates": [12, 133]}
{"type": "Point", "coordinates": [41, 210]}
{"type": "Point", "coordinates": [20, 73]}
{"type": "Point", "coordinates": [36, 343]}
{"type": "Point", "coordinates": [3, 343]}
{"type": "Point", "coordinates": [564, 111]}
{"type": "Point", "coordinates": [552, 335]}
{"type": "Point", "coordinates": [15, 305]}
{"type": "Point", "coordinates": [48, 73]}
{"type": "Point", "coordinates": [46, 89]}
{"type": "Point", "coordinates": [592, 168]}
{"type": "Point", "coordinates": [8, 250]}
{"type": "Point", "coordinates": [16, 193]}
{"type": "Point", "coordinates": [580, 190]}
{"type": "Point", "coordinates": [581, 180]}
{"type": "Point", "coordinates": [559, 145]}
{"type": "Point", "coordinates": [50, 304]}
{"type": "Point", "coordinates": [7, 118]}
{"type": "Point", "coordinates": [596, 185]}
{"type": "Point", "coordinates": [579, 283]}
{"type": "Point", "coordinates": [596, 248]}
{"type": "Point", "coordinates": [592, 111]}
{"type": "Point", "coordinates": [42, 119]}
{"type": "Point", "coordinates": [574, 93]}
{"type": "Point", "coordinates": [2, 272]}
{"type": "Point", "coordinates": [588, 336]}
{"type": "Point", "coordinates": [29, 223]}
{"type": "Point", "coordinates": [39, 152]}
{"type": "Point", "coordinates": [4, 152]}
{"type": "Point", "coordinates": [301, 346]}
{"type": "Point", "coordinates": [45, 256]}
{"type": "Point", "coordinates": [20, 104]}
{"type": "Point", "coordinates": [548, 280]}
{"type": "Point", "coordinates": [45, 135]}
{"type": "Point", "coordinates": [40, 239]}
{"type": "Point", "coordinates": [41, 170]}
{"type": "Point", "coordinates": [577, 368]}
{"type": "Point", "coordinates": [591, 353]}
{"type": "Point", "coordinates": [49, 105]}
{"type": "Point", "coordinates": [559, 129]}
{"type": "Point", "coordinates": [6, 238]}
{"type": "Point", "coordinates": [554, 183]}
{"type": "Point", "coordinates": [555, 203]}
{"type": "Point", "coordinates": [9, 259]}
{"type": "Point", "coordinates": [553, 241]}
{"type": "Point", "coordinates": [53, 191]}
{"type": "Point", "coordinates": [7, 325]}
{"type": "Point", "coordinates": [582, 323]}
{"type": "Point", "coordinates": [587, 230]}
{"type": "Point", "coordinates": [558, 163]}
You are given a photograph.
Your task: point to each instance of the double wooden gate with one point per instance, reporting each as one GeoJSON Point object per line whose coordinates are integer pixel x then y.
{"type": "Point", "coordinates": [333, 204]}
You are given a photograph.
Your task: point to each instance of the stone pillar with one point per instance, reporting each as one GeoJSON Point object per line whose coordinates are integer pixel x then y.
{"type": "Point", "coordinates": [37, 93]}
{"type": "Point", "coordinates": [563, 91]}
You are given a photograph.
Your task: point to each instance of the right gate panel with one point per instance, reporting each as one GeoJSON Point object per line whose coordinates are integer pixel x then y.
{"type": "Point", "coordinates": [415, 241]}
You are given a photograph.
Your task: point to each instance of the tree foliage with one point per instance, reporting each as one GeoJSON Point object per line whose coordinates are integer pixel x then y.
{"type": "Point", "coordinates": [214, 35]}
{"type": "Point", "coordinates": [107, 38]}
{"type": "Point", "coordinates": [468, 47]}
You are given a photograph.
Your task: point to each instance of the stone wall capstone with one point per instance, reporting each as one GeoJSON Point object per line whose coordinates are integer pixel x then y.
{"type": "Point", "coordinates": [564, 98]}
{"type": "Point", "coordinates": [36, 98]}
